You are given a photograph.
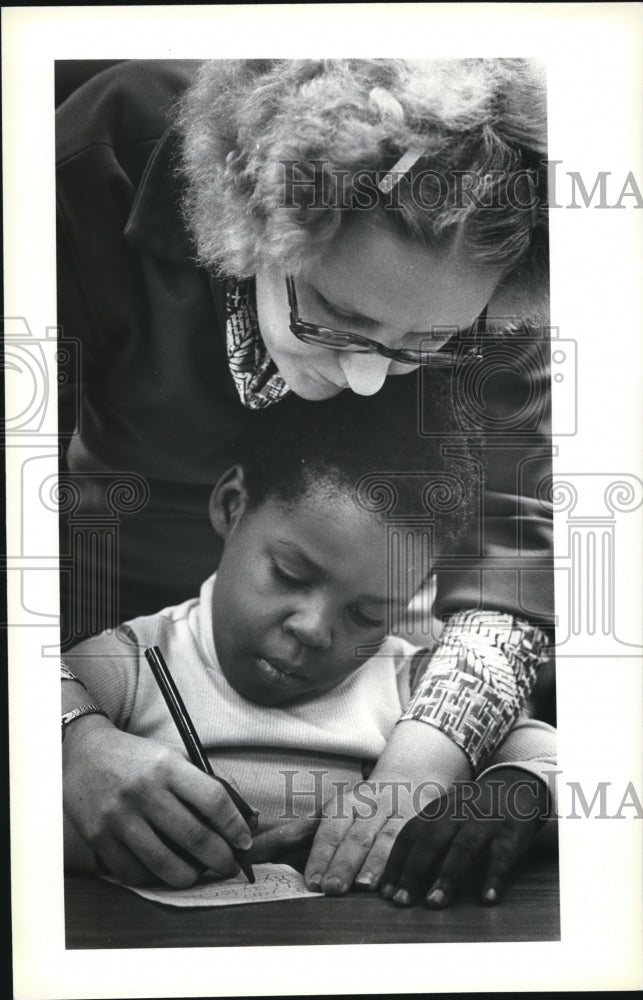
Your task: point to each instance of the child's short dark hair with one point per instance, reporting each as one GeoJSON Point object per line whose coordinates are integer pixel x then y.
{"type": "Point", "coordinates": [370, 448]}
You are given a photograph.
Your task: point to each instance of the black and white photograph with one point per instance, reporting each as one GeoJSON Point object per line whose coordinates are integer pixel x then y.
{"type": "Point", "coordinates": [323, 537]}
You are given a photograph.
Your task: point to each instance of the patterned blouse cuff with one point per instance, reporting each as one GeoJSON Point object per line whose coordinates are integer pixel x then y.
{"type": "Point", "coordinates": [475, 683]}
{"type": "Point", "coordinates": [66, 675]}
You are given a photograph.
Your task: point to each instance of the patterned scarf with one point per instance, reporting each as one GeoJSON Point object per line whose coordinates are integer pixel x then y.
{"type": "Point", "coordinates": [255, 374]}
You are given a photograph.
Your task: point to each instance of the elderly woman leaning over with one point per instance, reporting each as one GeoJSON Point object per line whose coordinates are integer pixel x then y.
{"type": "Point", "coordinates": [233, 232]}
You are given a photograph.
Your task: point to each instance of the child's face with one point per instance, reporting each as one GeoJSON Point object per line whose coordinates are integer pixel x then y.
{"type": "Point", "coordinates": [299, 588]}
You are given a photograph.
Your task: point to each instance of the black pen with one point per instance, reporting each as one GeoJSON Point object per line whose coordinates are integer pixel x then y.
{"type": "Point", "coordinates": [192, 742]}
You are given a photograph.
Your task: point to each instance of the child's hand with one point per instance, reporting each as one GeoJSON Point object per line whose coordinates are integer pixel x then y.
{"type": "Point", "coordinates": [144, 810]}
{"type": "Point", "coordinates": [432, 856]}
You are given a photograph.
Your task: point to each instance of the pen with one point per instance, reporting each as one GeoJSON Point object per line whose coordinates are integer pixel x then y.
{"type": "Point", "coordinates": [192, 742]}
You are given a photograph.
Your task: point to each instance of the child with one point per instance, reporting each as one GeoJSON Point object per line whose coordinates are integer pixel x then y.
{"type": "Point", "coordinates": [283, 660]}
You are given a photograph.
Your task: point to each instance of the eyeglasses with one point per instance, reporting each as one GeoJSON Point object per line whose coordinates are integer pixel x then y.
{"type": "Point", "coordinates": [464, 346]}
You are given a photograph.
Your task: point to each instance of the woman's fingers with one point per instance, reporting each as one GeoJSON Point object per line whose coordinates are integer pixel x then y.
{"type": "Point", "coordinates": [176, 853]}
{"type": "Point", "coordinates": [190, 837]}
{"type": "Point", "coordinates": [129, 794]}
{"type": "Point", "coordinates": [363, 852]}
{"type": "Point", "coordinates": [147, 855]}
{"type": "Point", "coordinates": [211, 802]}
{"type": "Point", "coordinates": [176, 820]}
{"type": "Point", "coordinates": [358, 846]}
{"type": "Point", "coordinates": [372, 870]}
{"type": "Point", "coordinates": [117, 860]}
{"type": "Point", "coordinates": [284, 839]}
{"type": "Point", "coordinates": [250, 815]}
{"type": "Point", "coordinates": [329, 836]}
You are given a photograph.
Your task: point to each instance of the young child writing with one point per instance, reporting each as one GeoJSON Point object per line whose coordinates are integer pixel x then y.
{"type": "Point", "coordinates": [284, 663]}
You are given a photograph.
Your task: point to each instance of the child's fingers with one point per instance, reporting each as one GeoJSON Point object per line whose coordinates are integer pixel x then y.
{"type": "Point", "coordinates": [408, 873]}
{"type": "Point", "coordinates": [414, 877]}
{"type": "Point", "coordinates": [415, 854]}
{"type": "Point", "coordinates": [397, 858]}
{"type": "Point", "coordinates": [432, 831]}
{"type": "Point", "coordinates": [502, 857]}
{"type": "Point", "coordinates": [440, 894]}
{"type": "Point", "coordinates": [465, 846]}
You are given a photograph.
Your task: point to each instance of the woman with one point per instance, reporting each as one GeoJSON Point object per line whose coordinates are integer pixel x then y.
{"type": "Point", "coordinates": [308, 227]}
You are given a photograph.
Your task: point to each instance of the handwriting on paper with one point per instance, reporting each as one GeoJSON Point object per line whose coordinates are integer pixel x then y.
{"type": "Point", "coordinates": [272, 882]}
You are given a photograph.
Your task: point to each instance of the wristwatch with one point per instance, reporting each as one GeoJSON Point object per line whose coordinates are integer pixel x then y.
{"type": "Point", "coordinates": [77, 713]}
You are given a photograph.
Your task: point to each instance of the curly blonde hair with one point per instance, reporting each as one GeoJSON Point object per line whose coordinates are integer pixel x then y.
{"type": "Point", "coordinates": [273, 152]}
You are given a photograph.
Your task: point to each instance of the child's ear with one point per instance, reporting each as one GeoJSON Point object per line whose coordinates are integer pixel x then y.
{"type": "Point", "coordinates": [228, 501]}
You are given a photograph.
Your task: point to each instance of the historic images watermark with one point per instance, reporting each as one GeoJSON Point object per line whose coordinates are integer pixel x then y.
{"type": "Point", "coordinates": [321, 185]}
{"type": "Point", "coordinates": [316, 794]}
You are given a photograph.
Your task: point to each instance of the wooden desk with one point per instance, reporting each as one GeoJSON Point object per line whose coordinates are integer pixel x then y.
{"type": "Point", "coordinates": [100, 915]}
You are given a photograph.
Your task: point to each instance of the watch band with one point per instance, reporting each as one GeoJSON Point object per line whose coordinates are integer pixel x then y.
{"type": "Point", "coordinates": [77, 713]}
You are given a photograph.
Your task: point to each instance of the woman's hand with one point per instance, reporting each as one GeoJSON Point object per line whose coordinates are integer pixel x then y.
{"type": "Point", "coordinates": [144, 810]}
{"type": "Point", "coordinates": [499, 814]}
{"type": "Point", "coordinates": [287, 843]}
{"type": "Point", "coordinates": [357, 832]}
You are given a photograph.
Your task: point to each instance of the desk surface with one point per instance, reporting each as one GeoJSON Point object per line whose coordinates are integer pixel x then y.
{"type": "Point", "coordinates": [100, 915]}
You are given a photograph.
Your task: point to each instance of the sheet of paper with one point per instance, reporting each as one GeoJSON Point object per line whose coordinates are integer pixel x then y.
{"type": "Point", "coordinates": [271, 882]}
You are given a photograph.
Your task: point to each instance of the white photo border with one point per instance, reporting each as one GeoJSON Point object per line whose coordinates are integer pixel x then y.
{"type": "Point", "coordinates": [593, 57]}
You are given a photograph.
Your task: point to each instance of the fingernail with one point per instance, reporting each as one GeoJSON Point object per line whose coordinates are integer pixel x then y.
{"type": "Point", "coordinates": [314, 882]}
{"type": "Point", "coordinates": [402, 897]}
{"type": "Point", "coordinates": [366, 879]}
{"type": "Point", "coordinates": [388, 890]}
{"type": "Point", "coordinates": [244, 841]}
{"type": "Point", "coordinates": [333, 886]}
{"type": "Point", "coordinates": [437, 897]}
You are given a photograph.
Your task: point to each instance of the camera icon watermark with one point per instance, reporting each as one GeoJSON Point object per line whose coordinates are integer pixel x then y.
{"type": "Point", "coordinates": [509, 391]}
{"type": "Point", "coordinates": [52, 529]}
{"type": "Point", "coordinates": [37, 369]}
